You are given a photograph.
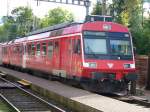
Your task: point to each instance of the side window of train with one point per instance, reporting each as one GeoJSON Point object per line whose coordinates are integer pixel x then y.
{"type": "Point", "coordinates": [4, 50]}
{"type": "Point", "coordinates": [50, 49]}
{"type": "Point", "coordinates": [14, 49]}
{"type": "Point", "coordinates": [25, 49]}
{"type": "Point", "coordinates": [38, 49]}
{"type": "Point", "coordinates": [56, 46]}
{"type": "Point", "coordinates": [33, 49]}
{"type": "Point", "coordinates": [29, 49]}
{"type": "Point", "coordinates": [44, 49]}
{"type": "Point", "coordinates": [77, 46]}
{"type": "Point", "coordinates": [70, 46]}
{"type": "Point", "coordinates": [20, 49]}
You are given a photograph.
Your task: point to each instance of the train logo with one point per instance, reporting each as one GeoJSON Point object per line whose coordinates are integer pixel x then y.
{"type": "Point", "coordinates": [110, 65]}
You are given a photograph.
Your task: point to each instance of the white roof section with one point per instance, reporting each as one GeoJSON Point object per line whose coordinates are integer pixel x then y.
{"type": "Point", "coordinates": [38, 36]}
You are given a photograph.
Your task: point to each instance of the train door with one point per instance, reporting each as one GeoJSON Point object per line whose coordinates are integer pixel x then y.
{"type": "Point", "coordinates": [76, 60]}
{"type": "Point", "coordinates": [20, 51]}
{"type": "Point", "coordinates": [49, 60]}
{"type": "Point", "coordinates": [43, 57]}
{"type": "Point", "coordinates": [65, 54]}
{"type": "Point", "coordinates": [56, 55]}
{"type": "Point", "coordinates": [24, 54]}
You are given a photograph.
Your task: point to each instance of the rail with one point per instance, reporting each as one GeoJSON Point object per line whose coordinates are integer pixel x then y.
{"type": "Point", "coordinates": [23, 100]}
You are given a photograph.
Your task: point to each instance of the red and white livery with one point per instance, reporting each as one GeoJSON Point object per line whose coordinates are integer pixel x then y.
{"type": "Point", "coordinates": [97, 54]}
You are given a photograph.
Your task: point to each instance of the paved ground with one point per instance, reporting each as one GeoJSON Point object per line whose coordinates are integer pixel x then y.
{"type": "Point", "coordinates": [147, 94]}
{"type": "Point", "coordinates": [96, 101]}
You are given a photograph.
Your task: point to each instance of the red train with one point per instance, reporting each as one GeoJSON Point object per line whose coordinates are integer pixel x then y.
{"type": "Point", "coordinates": [98, 54]}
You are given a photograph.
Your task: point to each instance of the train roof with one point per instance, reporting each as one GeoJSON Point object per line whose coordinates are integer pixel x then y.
{"type": "Point", "coordinates": [71, 28]}
{"type": "Point", "coordinates": [55, 27]}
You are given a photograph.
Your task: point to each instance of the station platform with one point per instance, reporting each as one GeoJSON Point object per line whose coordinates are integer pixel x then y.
{"type": "Point", "coordinates": [75, 98]}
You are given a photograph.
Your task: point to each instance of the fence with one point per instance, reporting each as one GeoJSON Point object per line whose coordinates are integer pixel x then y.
{"type": "Point", "coordinates": [143, 71]}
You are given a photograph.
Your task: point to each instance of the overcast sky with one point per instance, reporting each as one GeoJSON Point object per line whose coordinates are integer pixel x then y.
{"type": "Point", "coordinates": [41, 10]}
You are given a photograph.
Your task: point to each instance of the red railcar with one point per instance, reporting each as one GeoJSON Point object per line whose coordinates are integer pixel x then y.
{"type": "Point", "coordinates": [0, 54]}
{"type": "Point", "coordinates": [97, 54]}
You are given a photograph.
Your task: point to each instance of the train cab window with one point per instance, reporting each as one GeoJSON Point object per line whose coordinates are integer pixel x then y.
{"type": "Point", "coordinates": [33, 49]}
{"type": "Point", "coordinates": [50, 49]}
{"type": "Point", "coordinates": [38, 49]}
{"type": "Point", "coordinates": [29, 49]}
{"type": "Point", "coordinates": [44, 49]}
{"type": "Point", "coordinates": [77, 46]}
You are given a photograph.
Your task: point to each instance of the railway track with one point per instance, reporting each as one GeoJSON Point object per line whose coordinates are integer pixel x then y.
{"type": "Point", "coordinates": [134, 100]}
{"type": "Point", "coordinates": [22, 100]}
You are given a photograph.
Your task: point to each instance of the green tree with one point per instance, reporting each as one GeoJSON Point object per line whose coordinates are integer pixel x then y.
{"type": "Point", "coordinates": [116, 8]}
{"type": "Point", "coordinates": [56, 16]}
{"type": "Point", "coordinates": [127, 12]}
{"type": "Point", "coordinates": [141, 38]}
{"type": "Point", "coordinates": [5, 28]}
{"type": "Point", "coordinates": [101, 8]}
{"type": "Point", "coordinates": [19, 24]}
{"type": "Point", "coordinates": [97, 10]}
{"type": "Point", "coordinates": [23, 20]}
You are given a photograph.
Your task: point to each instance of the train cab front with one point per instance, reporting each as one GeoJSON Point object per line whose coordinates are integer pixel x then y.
{"type": "Point", "coordinates": [108, 60]}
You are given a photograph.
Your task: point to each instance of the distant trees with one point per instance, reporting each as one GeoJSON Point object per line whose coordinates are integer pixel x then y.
{"type": "Point", "coordinates": [18, 24]}
{"type": "Point", "coordinates": [22, 21]}
{"type": "Point", "coordinates": [56, 16]}
{"type": "Point", "coordinates": [97, 10]}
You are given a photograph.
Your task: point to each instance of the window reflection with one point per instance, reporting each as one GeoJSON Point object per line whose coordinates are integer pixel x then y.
{"type": "Point", "coordinates": [95, 46]}
{"type": "Point", "coordinates": [120, 47]}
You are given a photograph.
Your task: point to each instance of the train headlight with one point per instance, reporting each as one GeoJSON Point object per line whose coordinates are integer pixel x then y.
{"type": "Point", "coordinates": [129, 65]}
{"type": "Point", "coordinates": [132, 65]}
{"type": "Point", "coordinates": [126, 65]}
{"type": "Point", "coordinates": [90, 64]}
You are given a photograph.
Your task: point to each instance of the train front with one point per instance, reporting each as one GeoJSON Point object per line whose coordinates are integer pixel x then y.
{"type": "Point", "coordinates": [108, 59]}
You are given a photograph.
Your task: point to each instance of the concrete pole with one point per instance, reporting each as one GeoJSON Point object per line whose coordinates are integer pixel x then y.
{"type": "Point", "coordinates": [103, 7]}
{"type": "Point", "coordinates": [87, 4]}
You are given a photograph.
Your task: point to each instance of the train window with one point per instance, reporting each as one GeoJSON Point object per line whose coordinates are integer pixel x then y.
{"type": "Point", "coordinates": [56, 44]}
{"type": "Point", "coordinates": [33, 49]}
{"type": "Point", "coordinates": [20, 49]}
{"type": "Point", "coordinates": [38, 49]}
{"type": "Point", "coordinates": [50, 49]}
{"type": "Point", "coordinates": [95, 46]}
{"type": "Point", "coordinates": [44, 49]}
{"type": "Point", "coordinates": [120, 47]}
{"type": "Point", "coordinates": [29, 49]}
{"type": "Point", "coordinates": [4, 50]}
{"type": "Point", "coordinates": [70, 46]}
{"type": "Point", "coordinates": [77, 46]}
{"type": "Point", "coordinates": [16, 49]}
{"type": "Point", "coordinates": [94, 33]}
